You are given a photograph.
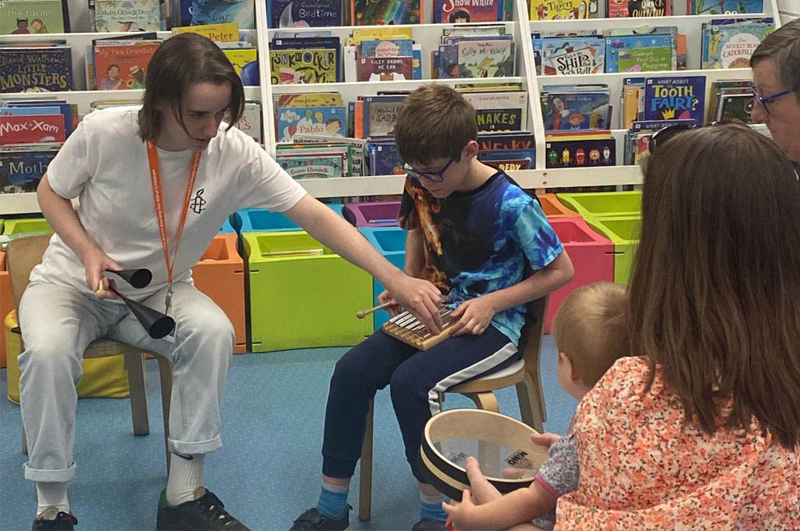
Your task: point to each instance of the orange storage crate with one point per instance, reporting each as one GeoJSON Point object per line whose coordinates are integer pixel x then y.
{"type": "Point", "coordinates": [553, 208]}
{"type": "Point", "coordinates": [220, 275]}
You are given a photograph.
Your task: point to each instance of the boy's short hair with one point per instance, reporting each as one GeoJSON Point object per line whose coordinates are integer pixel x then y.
{"type": "Point", "coordinates": [434, 122]}
{"type": "Point", "coordinates": [590, 329]}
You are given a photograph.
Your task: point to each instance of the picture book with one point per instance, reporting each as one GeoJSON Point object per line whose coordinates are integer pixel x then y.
{"type": "Point", "coordinates": [380, 115]}
{"type": "Point", "coordinates": [32, 129]}
{"type": "Point", "coordinates": [70, 111]}
{"type": "Point", "coordinates": [493, 120]}
{"type": "Point", "coordinates": [250, 122]}
{"type": "Point", "coordinates": [580, 153]}
{"type": "Point", "coordinates": [309, 99]}
{"type": "Point", "coordinates": [563, 9]}
{"type": "Point", "coordinates": [36, 69]}
{"type": "Point", "coordinates": [304, 13]}
{"type": "Point", "coordinates": [503, 141]}
{"type": "Point", "coordinates": [243, 59]}
{"type": "Point", "coordinates": [735, 108]}
{"type": "Point", "coordinates": [572, 56]}
{"type": "Point", "coordinates": [577, 110]}
{"type": "Point", "coordinates": [228, 32]}
{"type": "Point", "coordinates": [672, 98]}
{"type": "Point", "coordinates": [479, 59]}
{"type": "Point", "coordinates": [499, 111]}
{"type": "Point", "coordinates": [385, 69]}
{"type": "Point", "coordinates": [122, 67]}
{"type": "Point", "coordinates": [725, 7]}
{"type": "Point", "coordinates": [240, 12]}
{"type": "Point", "coordinates": [384, 159]}
{"type": "Point", "coordinates": [468, 10]}
{"type": "Point", "coordinates": [509, 159]}
{"type": "Point", "coordinates": [328, 121]}
{"type": "Point", "coordinates": [387, 48]}
{"type": "Point", "coordinates": [22, 167]}
{"type": "Point", "coordinates": [649, 8]}
{"type": "Point", "coordinates": [508, 165]}
{"type": "Point", "coordinates": [731, 45]}
{"type": "Point", "coordinates": [386, 12]}
{"type": "Point", "coordinates": [312, 65]}
{"type": "Point", "coordinates": [632, 102]}
{"type": "Point", "coordinates": [658, 46]}
{"type": "Point", "coordinates": [617, 9]}
{"type": "Point", "coordinates": [312, 167]}
{"type": "Point", "coordinates": [127, 15]}
{"type": "Point", "coordinates": [24, 17]}
{"type": "Point", "coordinates": [356, 146]}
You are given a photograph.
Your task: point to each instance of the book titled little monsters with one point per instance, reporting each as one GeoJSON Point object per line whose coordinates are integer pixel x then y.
{"type": "Point", "coordinates": [36, 69]}
{"type": "Point", "coordinates": [23, 17]}
{"type": "Point", "coordinates": [385, 12]}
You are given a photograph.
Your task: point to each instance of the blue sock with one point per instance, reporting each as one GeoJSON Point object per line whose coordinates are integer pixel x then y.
{"type": "Point", "coordinates": [430, 507]}
{"type": "Point", "coordinates": [333, 500]}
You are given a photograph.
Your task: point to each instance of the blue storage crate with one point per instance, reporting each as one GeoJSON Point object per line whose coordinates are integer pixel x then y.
{"type": "Point", "coordinates": [227, 228]}
{"type": "Point", "coordinates": [260, 220]}
{"type": "Point", "coordinates": [391, 243]}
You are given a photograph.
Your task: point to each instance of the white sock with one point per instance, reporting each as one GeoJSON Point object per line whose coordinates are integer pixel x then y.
{"type": "Point", "coordinates": [185, 477]}
{"type": "Point", "coordinates": [51, 495]}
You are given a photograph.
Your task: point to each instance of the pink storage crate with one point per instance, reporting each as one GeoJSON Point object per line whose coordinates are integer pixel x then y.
{"type": "Point", "coordinates": [379, 214]}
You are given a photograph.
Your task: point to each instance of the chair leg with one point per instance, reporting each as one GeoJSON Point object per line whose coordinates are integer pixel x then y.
{"type": "Point", "coordinates": [488, 454]}
{"type": "Point", "coordinates": [365, 482]}
{"type": "Point", "coordinates": [165, 374]}
{"type": "Point", "coordinates": [485, 401]}
{"type": "Point", "coordinates": [134, 364]}
{"type": "Point", "coordinates": [24, 442]}
{"type": "Point", "coordinates": [530, 405]}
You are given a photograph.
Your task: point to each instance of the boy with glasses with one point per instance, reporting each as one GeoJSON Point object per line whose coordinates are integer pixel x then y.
{"type": "Point", "coordinates": [471, 232]}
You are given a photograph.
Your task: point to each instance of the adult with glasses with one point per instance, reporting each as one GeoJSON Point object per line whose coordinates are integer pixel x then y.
{"type": "Point", "coordinates": [776, 79]}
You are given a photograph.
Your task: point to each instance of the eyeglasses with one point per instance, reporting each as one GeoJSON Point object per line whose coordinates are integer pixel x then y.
{"type": "Point", "coordinates": [437, 176]}
{"type": "Point", "coordinates": [662, 136]}
{"type": "Point", "coordinates": [769, 99]}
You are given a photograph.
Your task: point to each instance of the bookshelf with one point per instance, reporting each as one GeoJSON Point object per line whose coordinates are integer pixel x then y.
{"type": "Point", "coordinates": [427, 35]}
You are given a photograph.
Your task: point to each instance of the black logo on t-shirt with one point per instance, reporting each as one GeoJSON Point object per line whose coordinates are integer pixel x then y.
{"type": "Point", "coordinates": [198, 202]}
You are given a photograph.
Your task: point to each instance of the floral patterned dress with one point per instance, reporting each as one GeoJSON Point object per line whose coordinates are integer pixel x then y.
{"type": "Point", "coordinates": [643, 467]}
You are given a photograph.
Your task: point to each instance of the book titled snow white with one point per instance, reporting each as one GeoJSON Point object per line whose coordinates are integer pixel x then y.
{"type": "Point", "coordinates": [304, 13]}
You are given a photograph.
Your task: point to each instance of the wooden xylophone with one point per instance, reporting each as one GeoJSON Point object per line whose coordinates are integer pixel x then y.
{"type": "Point", "coordinates": [408, 329]}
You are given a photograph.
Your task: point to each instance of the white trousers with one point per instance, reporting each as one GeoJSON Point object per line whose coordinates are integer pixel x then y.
{"type": "Point", "coordinates": [57, 325]}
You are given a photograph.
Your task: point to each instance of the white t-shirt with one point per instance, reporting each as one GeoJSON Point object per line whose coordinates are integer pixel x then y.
{"type": "Point", "coordinates": [104, 163]}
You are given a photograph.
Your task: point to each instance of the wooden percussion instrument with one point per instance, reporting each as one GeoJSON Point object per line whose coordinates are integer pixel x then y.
{"type": "Point", "coordinates": [411, 331]}
{"type": "Point", "coordinates": [502, 445]}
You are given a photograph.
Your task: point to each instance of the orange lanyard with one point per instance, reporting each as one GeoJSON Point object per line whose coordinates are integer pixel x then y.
{"type": "Point", "coordinates": [158, 197]}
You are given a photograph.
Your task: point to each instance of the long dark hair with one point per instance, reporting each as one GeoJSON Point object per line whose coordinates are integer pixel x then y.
{"type": "Point", "coordinates": [714, 296]}
{"type": "Point", "coordinates": [180, 61]}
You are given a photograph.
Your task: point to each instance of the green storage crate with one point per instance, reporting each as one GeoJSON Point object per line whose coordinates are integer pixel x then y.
{"type": "Point", "coordinates": [300, 301]}
{"type": "Point", "coordinates": [624, 232]}
{"type": "Point", "coordinates": [604, 204]}
{"type": "Point", "coordinates": [19, 226]}
{"type": "Point", "coordinates": [1, 225]}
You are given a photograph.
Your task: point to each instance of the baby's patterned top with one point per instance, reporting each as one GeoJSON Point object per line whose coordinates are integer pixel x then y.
{"type": "Point", "coordinates": [644, 467]}
{"type": "Point", "coordinates": [558, 475]}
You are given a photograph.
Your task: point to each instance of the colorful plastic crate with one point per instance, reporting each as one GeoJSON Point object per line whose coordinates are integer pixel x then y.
{"type": "Point", "coordinates": [18, 226]}
{"type": "Point", "coordinates": [220, 275]}
{"type": "Point", "coordinates": [553, 208]}
{"type": "Point", "coordinates": [604, 204]}
{"type": "Point", "coordinates": [227, 228]}
{"type": "Point", "coordinates": [302, 300]}
{"type": "Point", "coordinates": [623, 231]}
{"type": "Point", "coordinates": [592, 257]}
{"type": "Point", "coordinates": [372, 214]}
{"type": "Point", "coordinates": [391, 243]}
{"type": "Point", "coordinates": [259, 220]}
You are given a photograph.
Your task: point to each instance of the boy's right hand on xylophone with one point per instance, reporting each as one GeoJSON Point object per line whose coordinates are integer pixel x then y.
{"type": "Point", "coordinates": [393, 308]}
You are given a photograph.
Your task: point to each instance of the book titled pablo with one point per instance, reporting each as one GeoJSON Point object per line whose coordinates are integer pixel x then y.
{"type": "Point", "coordinates": [675, 98]}
{"type": "Point", "coordinates": [36, 69]}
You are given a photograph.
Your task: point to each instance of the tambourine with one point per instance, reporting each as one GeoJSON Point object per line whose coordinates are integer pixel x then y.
{"type": "Point", "coordinates": [502, 445]}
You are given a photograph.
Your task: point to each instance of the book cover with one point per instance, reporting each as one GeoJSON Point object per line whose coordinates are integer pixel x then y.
{"type": "Point", "coordinates": [458, 11]}
{"type": "Point", "coordinates": [563, 9]}
{"type": "Point", "coordinates": [36, 69]}
{"type": "Point", "coordinates": [644, 60]}
{"type": "Point", "coordinates": [32, 129]}
{"type": "Point", "coordinates": [327, 121]}
{"type": "Point", "coordinates": [572, 56]}
{"type": "Point", "coordinates": [240, 59]}
{"type": "Point", "coordinates": [122, 67]}
{"type": "Point", "coordinates": [387, 48]}
{"type": "Point", "coordinates": [70, 114]}
{"type": "Point", "coordinates": [577, 111]}
{"type": "Point", "coordinates": [726, 7]}
{"type": "Point", "coordinates": [228, 32]}
{"type": "Point", "coordinates": [24, 17]}
{"type": "Point", "coordinates": [22, 167]}
{"type": "Point", "coordinates": [673, 98]}
{"type": "Point", "coordinates": [492, 120]}
{"type": "Point", "coordinates": [312, 167]}
{"type": "Point", "coordinates": [304, 13]}
{"type": "Point", "coordinates": [386, 12]}
{"type": "Point", "coordinates": [736, 108]}
{"type": "Point", "coordinates": [384, 159]}
{"type": "Point", "coordinates": [513, 141]}
{"type": "Point", "coordinates": [385, 69]}
{"type": "Point", "coordinates": [649, 8]}
{"type": "Point", "coordinates": [380, 115]}
{"type": "Point", "coordinates": [730, 46]}
{"type": "Point", "coordinates": [508, 165]}
{"type": "Point", "coordinates": [127, 15]}
{"type": "Point", "coordinates": [486, 58]}
{"type": "Point", "coordinates": [312, 65]}
{"type": "Point", "coordinates": [240, 12]}
{"type": "Point", "coordinates": [250, 122]}
{"type": "Point", "coordinates": [509, 159]}
{"type": "Point", "coordinates": [617, 9]}
{"type": "Point", "coordinates": [513, 105]}
{"type": "Point", "coordinates": [619, 44]}
{"type": "Point", "coordinates": [580, 153]}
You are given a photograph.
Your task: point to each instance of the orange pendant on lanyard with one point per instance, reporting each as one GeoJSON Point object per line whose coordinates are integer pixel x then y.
{"type": "Point", "coordinates": [158, 197]}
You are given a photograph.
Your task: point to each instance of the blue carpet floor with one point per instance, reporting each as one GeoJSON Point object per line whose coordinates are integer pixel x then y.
{"type": "Point", "coordinates": [268, 471]}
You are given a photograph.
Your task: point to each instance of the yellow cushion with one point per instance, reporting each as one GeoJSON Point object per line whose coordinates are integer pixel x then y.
{"type": "Point", "coordinates": [102, 377]}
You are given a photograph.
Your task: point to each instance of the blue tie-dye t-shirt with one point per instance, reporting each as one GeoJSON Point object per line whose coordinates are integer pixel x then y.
{"type": "Point", "coordinates": [476, 242]}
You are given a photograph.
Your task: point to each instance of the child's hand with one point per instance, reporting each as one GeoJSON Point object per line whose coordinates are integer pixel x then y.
{"type": "Point", "coordinates": [544, 439]}
{"type": "Point", "coordinates": [462, 514]}
{"type": "Point", "coordinates": [474, 317]}
{"type": "Point", "coordinates": [478, 484]}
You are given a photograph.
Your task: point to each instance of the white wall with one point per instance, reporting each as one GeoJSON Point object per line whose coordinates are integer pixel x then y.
{"type": "Point", "coordinates": [790, 9]}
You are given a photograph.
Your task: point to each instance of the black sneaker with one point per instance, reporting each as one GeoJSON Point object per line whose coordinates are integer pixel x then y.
{"type": "Point", "coordinates": [312, 519]}
{"type": "Point", "coordinates": [429, 525]}
{"type": "Point", "coordinates": [62, 521]}
{"type": "Point", "coordinates": [206, 513]}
